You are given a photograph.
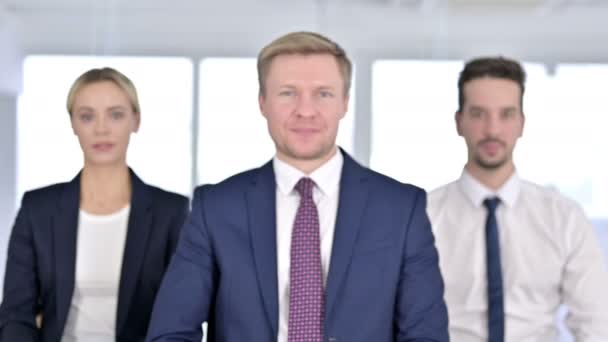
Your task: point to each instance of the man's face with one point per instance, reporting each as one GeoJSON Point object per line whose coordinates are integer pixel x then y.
{"type": "Point", "coordinates": [491, 121]}
{"type": "Point", "coordinates": [303, 101]}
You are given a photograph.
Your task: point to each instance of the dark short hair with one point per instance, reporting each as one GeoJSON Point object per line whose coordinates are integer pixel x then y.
{"type": "Point", "coordinates": [496, 67]}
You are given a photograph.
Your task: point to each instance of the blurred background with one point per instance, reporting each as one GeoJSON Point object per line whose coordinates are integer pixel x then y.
{"type": "Point", "coordinates": [193, 63]}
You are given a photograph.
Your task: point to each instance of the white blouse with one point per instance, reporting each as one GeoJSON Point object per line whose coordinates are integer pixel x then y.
{"type": "Point", "coordinates": [99, 253]}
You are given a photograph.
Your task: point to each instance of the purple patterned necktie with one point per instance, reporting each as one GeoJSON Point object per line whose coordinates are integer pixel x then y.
{"type": "Point", "coordinates": [306, 298]}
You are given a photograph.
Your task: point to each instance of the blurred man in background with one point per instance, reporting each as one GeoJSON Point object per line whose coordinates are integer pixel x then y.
{"type": "Point", "coordinates": [511, 252]}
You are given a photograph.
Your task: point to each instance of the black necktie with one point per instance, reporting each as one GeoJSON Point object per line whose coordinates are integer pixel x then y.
{"type": "Point", "coordinates": [496, 312]}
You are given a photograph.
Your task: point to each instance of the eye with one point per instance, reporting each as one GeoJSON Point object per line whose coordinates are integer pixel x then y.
{"type": "Point", "coordinates": [507, 114]}
{"type": "Point", "coordinates": [326, 94]}
{"type": "Point", "coordinates": [286, 92]}
{"type": "Point", "coordinates": [476, 113]}
{"type": "Point", "coordinates": [86, 117]}
{"type": "Point", "coordinates": [116, 115]}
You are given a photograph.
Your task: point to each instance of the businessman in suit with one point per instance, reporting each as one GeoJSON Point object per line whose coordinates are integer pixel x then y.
{"type": "Point", "coordinates": [311, 246]}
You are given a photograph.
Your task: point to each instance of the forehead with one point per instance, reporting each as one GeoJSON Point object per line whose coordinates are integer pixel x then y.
{"type": "Point", "coordinates": [492, 92]}
{"type": "Point", "coordinates": [293, 68]}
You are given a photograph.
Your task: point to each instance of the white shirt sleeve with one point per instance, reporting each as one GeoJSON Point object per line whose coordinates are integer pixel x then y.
{"type": "Point", "coordinates": [585, 280]}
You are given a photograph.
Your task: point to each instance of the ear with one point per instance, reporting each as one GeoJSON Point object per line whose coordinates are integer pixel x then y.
{"type": "Point", "coordinates": [262, 104]}
{"type": "Point", "coordinates": [345, 105]}
{"type": "Point", "coordinates": [457, 119]}
{"type": "Point", "coordinates": [137, 122]}
{"type": "Point", "coordinates": [72, 124]}
{"type": "Point", "coordinates": [523, 124]}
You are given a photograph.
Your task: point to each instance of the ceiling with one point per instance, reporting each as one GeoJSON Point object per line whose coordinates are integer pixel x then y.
{"type": "Point", "coordinates": [25, 5]}
{"type": "Point", "coordinates": [544, 30]}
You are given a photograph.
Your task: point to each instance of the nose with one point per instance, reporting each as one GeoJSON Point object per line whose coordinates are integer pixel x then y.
{"type": "Point", "coordinates": [306, 105]}
{"type": "Point", "coordinates": [102, 125]}
{"type": "Point", "coordinates": [492, 124]}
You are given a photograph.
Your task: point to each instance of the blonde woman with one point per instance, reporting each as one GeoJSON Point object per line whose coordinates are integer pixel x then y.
{"type": "Point", "coordinates": [86, 257]}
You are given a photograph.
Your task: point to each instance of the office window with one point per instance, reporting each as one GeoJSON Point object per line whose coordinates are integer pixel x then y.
{"type": "Point", "coordinates": [160, 153]}
{"type": "Point", "coordinates": [232, 132]}
{"type": "Point", "coordinates": [413, 133]}
{"type": "Point", "coordinates": [577, 124]}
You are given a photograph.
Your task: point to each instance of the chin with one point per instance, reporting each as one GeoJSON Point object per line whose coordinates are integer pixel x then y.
{"type": "Point", "coordinates": [307, 151]}
{"type": "Point", "coordinates": [104, 161]}
{"type": "Point", "coordinates": [491, 164]}
{"type": "Point", "coordinates": [306, 154]}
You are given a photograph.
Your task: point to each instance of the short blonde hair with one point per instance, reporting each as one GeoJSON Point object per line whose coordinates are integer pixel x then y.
{"type": "Point", "coordinates": [100, 75]}
{"type": "Point", "coordinates": [303, 43]}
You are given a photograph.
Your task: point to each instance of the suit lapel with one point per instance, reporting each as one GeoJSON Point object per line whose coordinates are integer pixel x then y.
{"type": "Point", "coordinates": [65, 225]}
{"type": "Point", "coordinates": [353, 197]}
{"type": "Point", "coordinates": [140, 220]}
{"type": "Point", "coordinates": [261, 207]}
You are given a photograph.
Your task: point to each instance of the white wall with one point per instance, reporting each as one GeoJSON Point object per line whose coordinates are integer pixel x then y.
{"type": "Point", "coordinates": [8, 110]}
{"type": "Point", "coordinates": [11, 54]}
{"type": "Point", "coordinates": [10, 86]}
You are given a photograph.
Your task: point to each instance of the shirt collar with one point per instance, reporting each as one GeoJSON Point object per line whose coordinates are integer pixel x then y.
{"type": "Point", "coordinates": [326, 177]}
{"type": "Point", "coordinates": [477, 192]}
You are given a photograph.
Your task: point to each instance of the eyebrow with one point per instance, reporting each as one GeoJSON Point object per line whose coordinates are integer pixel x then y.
{"type": "Point", "coordinates": [509, 108]}
{"type": "Point", "coordinates": [84, 108]}
{"type": "Point", "coordinates": [476, 108]}
{"type": "Point", "coordinates": [326, 87]}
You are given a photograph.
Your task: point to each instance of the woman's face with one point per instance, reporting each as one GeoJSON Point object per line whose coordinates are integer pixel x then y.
{"type": "Point", "coordinates": [103, 120]}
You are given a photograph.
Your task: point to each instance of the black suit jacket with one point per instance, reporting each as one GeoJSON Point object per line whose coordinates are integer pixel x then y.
{"type": "Point", "coordinates": [41, 260]}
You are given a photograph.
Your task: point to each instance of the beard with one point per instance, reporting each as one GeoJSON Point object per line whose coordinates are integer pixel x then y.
{"type": "Point", "coordinates": [490, 164]}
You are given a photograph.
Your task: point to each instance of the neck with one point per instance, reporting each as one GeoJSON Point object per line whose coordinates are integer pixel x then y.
{"type": "Point", "coordinates": [308, 166]}
{"type": "Point", "coordinates": [105, 188]}
{"type": "Point", "coordinates": [491, 178]}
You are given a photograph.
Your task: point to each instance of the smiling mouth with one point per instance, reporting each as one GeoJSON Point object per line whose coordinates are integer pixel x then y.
{"type": "Point", "coordinates": [305, 130]}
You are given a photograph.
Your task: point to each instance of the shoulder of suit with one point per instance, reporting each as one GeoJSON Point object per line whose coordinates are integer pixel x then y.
{"type": "Point", "coordinates": [43, 201]}
{"type": "Point", "coordinates": [385, 182]}
{"type": "Point", "coordinates": [44, 195]}
{"type": "Point", "coordinates": [167, 198]}
{"type": "Point", "coordinates": [235, 182]}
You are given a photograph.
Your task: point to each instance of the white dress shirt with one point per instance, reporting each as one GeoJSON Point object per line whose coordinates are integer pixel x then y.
{"type": "Point", "coordinates": [326, 196]}
{"type": "Point", "coordinates": [549, 254]}
{"type": "Point", "coordinates": [99, 252]}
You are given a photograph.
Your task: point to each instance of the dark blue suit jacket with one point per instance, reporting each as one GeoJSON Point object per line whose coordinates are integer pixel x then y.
{"type": "Point", "coordinates": [42, 255]}
{"type": "Point", "coordinates": [383, 283]}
